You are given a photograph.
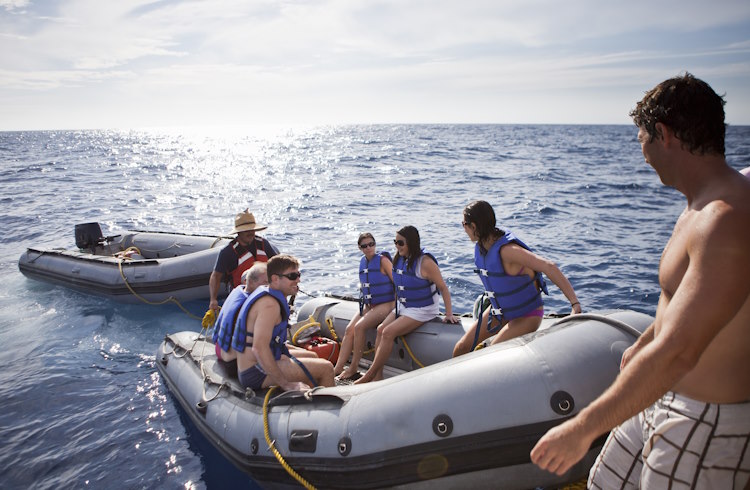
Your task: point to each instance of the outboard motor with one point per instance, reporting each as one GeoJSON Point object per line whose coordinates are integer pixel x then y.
{"type": "Point", "coordinates": [88, 236]}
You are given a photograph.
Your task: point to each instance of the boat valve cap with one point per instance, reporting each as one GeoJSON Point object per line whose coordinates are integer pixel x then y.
{"type": "Point", "coordinates": [562, 402]}
{"type": "Point", "coordinates": [345, 446]}
{"type": "Point", "coordinates": [442, 425]}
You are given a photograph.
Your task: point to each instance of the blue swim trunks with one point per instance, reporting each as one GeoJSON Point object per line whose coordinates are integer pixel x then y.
{"type": "Point", "coordinates": [253, 377]}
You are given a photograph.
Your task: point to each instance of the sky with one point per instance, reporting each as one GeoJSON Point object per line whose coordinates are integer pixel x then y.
{"type": "Point", "coordinates": [127, 64]}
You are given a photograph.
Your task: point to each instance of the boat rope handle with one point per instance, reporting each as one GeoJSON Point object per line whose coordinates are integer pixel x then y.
{"type": "Point", "coordinates": [180, 356]}
{"type": "Point", "coordinates": [311, 323]}
{"type": "Point", "coordinates": [154, 303]}
{"type": "Point", "coordinates": [413, 357]}
{"type": "Point", "coordinates": [272, 444]}
{"type": "Point", "coordinates": [174, 346]}
{"type": "Point", "coordinates": [603, 319]}
{"type": "Point", "coordinates": [174, 245]}
{"type": "Point", "coordinates": [206, 377]}
{"type": "Point", "coordinates": [222, 385]}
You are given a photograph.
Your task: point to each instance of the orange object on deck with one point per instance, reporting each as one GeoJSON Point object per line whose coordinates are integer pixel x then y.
{"type": "Point", "coordinates": [324, 347]}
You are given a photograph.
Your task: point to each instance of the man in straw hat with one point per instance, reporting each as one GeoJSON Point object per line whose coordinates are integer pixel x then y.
{"type": "Point", "coordinates": [237, 257]}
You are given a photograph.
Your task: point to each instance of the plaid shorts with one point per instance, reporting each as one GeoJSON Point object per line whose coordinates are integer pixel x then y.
{"type": "Point", "coordinates": [678, 443]}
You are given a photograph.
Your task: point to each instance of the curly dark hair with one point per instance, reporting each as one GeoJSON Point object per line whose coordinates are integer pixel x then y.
{"type": "Point", "coordinates": [690, 107]}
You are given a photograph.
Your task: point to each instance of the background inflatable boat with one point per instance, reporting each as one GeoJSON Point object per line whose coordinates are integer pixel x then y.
{"type": "Point", "coordinates": [151, 266]}
{"type": "Point", "coordinates": [468, 422]}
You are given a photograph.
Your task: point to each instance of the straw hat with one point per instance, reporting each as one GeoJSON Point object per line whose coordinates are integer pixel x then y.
{"type": "Point", "coordinates": [245, 221]}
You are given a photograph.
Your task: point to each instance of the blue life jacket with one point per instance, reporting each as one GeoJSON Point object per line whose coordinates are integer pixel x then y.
{"type": "Point", "coordinates": [411, 290]}
{"type": "Point", "coordinates": [374, 286]}
{"type": "Point", "coordinates": [510, 296]}
{"type": "Point", "coordinates": [241, 338]}
{"type": "Point", "coordinates": [224, 328]}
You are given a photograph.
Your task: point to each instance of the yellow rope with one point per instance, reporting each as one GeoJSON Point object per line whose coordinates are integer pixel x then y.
{"type": "Point", "coordinates": [579, 485]}
{"type": "Point", "coordinates": [311, 324]}
{"type": "Point", "coordinates": [272, 447]}
{"type": "Point", "coordinates": [413, 357]}
{"type": "Point", "coordinates": [131, 249]}
{"type": "Point", "coordinates": [329, 323]}
{"type": "Point", "coordinates": [170, 299]}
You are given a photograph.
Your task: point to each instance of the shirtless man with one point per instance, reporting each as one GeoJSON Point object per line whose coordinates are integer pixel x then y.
{"type": "Point", "coordinates": [682, 396]}
{"type": "Point", "coordinates": [262, 325]}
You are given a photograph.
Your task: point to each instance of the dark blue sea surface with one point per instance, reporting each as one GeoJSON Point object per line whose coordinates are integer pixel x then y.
{"type": "Point", "coordinates": [81, 403]}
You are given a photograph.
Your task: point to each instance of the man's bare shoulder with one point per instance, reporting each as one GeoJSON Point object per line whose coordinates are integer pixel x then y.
{"type": "Point", "coordinates": [727, 209]}
{"type": "Point", "coordinates": [265, 302]}
{"type": "Point", "coordinates": [723, 227]}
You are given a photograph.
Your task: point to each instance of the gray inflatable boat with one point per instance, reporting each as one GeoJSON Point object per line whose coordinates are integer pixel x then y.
{"type": "Point", "coordinates": [133, 267]}
{"type": "Point", "coordinates": [468, 422]}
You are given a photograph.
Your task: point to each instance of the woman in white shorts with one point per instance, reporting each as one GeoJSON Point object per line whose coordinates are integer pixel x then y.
{"type": "Point", "coordinates": [418, 281]}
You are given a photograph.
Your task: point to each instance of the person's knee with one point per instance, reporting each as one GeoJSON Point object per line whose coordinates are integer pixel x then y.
{"type": "Point", "coordinates": [360, 327]}
{"type": "Point", "coordinates": [322, 365]}
{"type": "Point", "coordinates": [388, 334]}
{"type": "Point", "coordinates": [460, 348]}
{"type": "Point", "coordinates": [324, 371]}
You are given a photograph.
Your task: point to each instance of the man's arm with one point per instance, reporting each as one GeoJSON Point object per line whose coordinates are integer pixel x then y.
{"type": "Point", "coordinates": [214, 285]}
{"type": "Point", "coordinates": [646, 337]}
{"type": "Point", "coordinates": [711, 292]}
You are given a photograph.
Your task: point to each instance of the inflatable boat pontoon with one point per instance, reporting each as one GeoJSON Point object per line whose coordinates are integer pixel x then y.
{"type": "Point", "coordinates": [133, 267]}
{"type": "Point", "coordinates": [468, 422]}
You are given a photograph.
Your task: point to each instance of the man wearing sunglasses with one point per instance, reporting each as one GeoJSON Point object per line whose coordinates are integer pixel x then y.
{"type": "Point", "coordinates": [263, 358]}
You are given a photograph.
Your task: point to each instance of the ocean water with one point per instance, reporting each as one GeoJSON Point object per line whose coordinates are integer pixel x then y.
{"type": "Point", "coordinates": [81, 403]}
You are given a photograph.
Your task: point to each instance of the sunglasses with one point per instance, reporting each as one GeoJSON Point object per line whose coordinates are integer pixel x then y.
{"type": "Point", "coordinates": [367, 245]}
{"type": "Point", "coordinates": [400, 243]}
{"type": "Point", "coordinates": [292, 276]}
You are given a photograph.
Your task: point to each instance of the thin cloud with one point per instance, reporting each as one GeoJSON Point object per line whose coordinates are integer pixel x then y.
{"type": "Point", "coordinates": [291, 57]}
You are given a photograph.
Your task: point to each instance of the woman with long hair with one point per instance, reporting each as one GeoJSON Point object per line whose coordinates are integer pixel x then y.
{"type": "Point", "coordinates": [418, 281]}
{"type": "Point", "coordinates": [376, 300]}
{"type": "Point", "coordinates": [512, 277]}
